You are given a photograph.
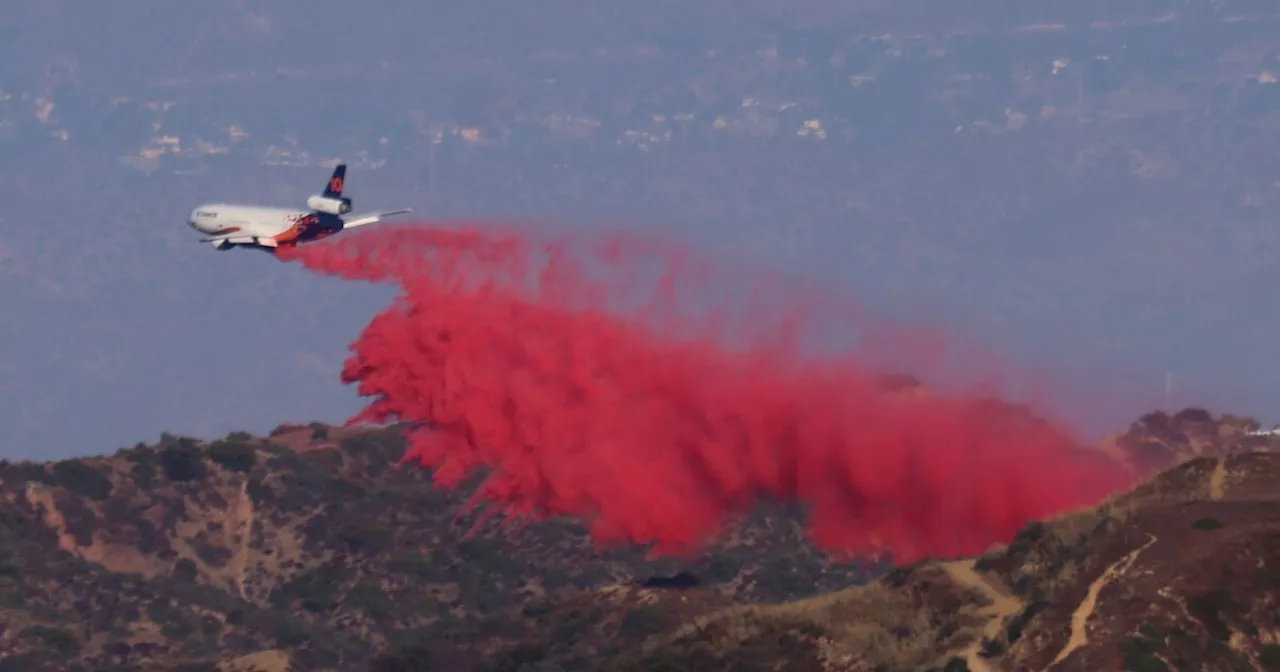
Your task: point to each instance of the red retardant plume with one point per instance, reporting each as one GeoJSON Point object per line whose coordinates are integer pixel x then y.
{"type": "Point", "coordinates": [521, 357]}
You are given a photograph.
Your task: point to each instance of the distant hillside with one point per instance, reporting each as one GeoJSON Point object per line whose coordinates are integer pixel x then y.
{"type": "Point", "coordinates": [1159, 440]}
{"type": "Point", "coordinates": [308, 546]}
{"type": "Point", "coordinates": [311, 550]}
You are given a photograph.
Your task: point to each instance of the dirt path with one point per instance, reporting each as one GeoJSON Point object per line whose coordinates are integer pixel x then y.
{"type": "Point", "coordinates": [262, 661]}
{"type": "Point", "coordinates": [242, 524]}
{"type": "Point", "coordinates": [1080, 619]}
{"type": "Point", "coordinates": [1002, 605]}
{"type": "Point", "coordinates": [1217, 479]}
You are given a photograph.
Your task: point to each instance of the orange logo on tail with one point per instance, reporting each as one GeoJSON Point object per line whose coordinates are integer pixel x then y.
{"type": "Point", "coordinates": [335, 185]}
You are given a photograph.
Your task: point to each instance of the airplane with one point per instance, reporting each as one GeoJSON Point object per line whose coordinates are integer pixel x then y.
{"type": "Point", "coordinates": [229, 226]}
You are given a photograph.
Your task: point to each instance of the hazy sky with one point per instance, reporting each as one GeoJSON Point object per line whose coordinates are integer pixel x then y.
{"type": "Point", "coordinates": [1089, 187]}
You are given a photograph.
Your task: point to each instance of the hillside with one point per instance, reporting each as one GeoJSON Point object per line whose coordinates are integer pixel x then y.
{"type": "Point", "coordinates": [310, 549]}
{"type": "Point", "coordinates": [309, 541]}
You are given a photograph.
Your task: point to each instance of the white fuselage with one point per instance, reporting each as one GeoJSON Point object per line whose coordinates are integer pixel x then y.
{"type": "Point", "coordinates": [221, 218]}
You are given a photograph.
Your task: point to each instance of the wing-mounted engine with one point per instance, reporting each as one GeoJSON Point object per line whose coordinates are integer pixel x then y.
{"type": "Point", "coordinates": [336, 206]}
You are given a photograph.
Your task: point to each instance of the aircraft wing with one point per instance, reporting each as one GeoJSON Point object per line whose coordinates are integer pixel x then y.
{"type": "Point", "coordinates": [352, 221]}
{"type": "Point", "coordinates": [240, 239]}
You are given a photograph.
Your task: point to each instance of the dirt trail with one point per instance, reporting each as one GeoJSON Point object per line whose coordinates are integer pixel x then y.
{"type": "Point", "coordinates": [1002, 605]}
{"type": "Point", "coordinates": [1080, 619]}
{"type": "Point", "coordinates": [262, 661]}
{"type": "Point", "coordinates": [242, 527]}
{"type": "Point", "coordinates": [1217, 479]}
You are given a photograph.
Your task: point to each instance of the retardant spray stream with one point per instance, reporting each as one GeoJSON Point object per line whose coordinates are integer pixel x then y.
{"type": "Point", "coordinates": [533, 359]}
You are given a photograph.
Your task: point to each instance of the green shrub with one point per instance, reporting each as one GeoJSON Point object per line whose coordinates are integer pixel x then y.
{"type": "Point", "coordinates": [64, 642]}
{"type": "Point", "coordinates": [522, 656]}
{"type": "Point", "coordinates": [161, 612]}
{"type": "Point", "coordinates": [536, 610]}
{"type": "Point", "coordinates": [23, 472]}
{"type": "Point", "coordinates": [82, 479]}
{"type": "Point", "coordinates": [723, 567]}
{"type": "Point", "coordinates": [401, 639]}
{"type": "Point", "coordinates": [315, 590]}
{"type": "Point", "coordinates": [20, 662]}
{"type": "Point", "coordinates": [144, 474]}
{"type": "Point", "coordinates": [185, 570]}
{"type": "Point", "coordinates": [1139, 656]}
{"type": "Point", "coordinates": [210, 626]}
{"type": "Point", "coordinates": [482, 595]}
{"type": "Point", "coordinates": [150, 540]}
{"type": "Point", "coordinates": [177, 629]}
{"type": "Point", "coordinates": [417, 564]}
{"type": "Point", "coordinates": [370, 598]}
{"type": "Point", "coordinates": [382, 447]}
{"type": "Point", "coordinates": [140, 452]}
{"type": "Point", "coordinates": [555, 578]}
{"type": "Point", "coordinates": [214, 556]}
{"type": "Point", "coordinates": [183, 463]}
{"type": "Point", "coordinates": [480, 550]}
{"type": "Point", "coordinates": [409, 659]}
{"type": "Point", "coordinates": [288, 634]}
{"type": "Point", "coordinates": [991, 647]}
{"type": "Point", "coordinates": [368, 538]}
{"type": "Point", "coordinates": [1269, 657]}
{"type": "Point", "coordinates": [488, 555]}
{"type": "Point", "coordinates": [1020, 620]}
{"type": "Point", "coordinates": [1210, 609]}
{"type": "Point", "coordinates": [783, 581]}
{"type": "Point", "coordinates": [234, 456]}
{"type": "Point", "coordinates": [642, 622]}
{"type": "Point", "coordinates": [167, 440]}
{"type": "Point", "coordinates": [81, 521]}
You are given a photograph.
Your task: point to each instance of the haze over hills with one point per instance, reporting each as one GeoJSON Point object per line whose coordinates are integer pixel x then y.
{"type": "Point", "coordinates": [1083, 183]}
{"type": "Point", "coordinates": [1092, 185]}
{"type": "Point", "coordinates": [308, 550]}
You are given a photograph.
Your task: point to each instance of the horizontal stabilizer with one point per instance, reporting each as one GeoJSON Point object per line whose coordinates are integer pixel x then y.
{"type": "Point", "coordinates": [353, 221]}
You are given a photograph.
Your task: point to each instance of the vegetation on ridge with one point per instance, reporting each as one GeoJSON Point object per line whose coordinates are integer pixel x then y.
{"type": "Point", "coordinates": [311, 550]}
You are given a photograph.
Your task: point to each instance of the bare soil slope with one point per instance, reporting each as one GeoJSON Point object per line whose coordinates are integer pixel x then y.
{"type": "Point", "coordinates": [311, 550]}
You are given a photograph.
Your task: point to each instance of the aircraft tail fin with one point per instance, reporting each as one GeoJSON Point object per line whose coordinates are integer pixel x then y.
{"type": "Point", "coordinates": [336, 182]}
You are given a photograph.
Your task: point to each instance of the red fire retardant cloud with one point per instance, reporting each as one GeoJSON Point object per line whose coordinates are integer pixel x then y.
{"type": "Point", "coordinates": [648, 423]}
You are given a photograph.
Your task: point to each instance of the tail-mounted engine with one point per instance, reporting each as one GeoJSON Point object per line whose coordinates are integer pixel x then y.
{"type": "Point", "coordinates": [329, 206]}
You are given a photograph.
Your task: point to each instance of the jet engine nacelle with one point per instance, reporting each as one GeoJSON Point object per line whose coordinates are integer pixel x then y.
{"type": "Point", "coordinates": [329, 206]}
